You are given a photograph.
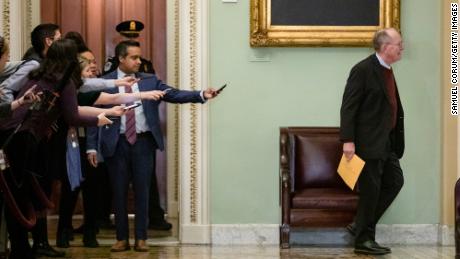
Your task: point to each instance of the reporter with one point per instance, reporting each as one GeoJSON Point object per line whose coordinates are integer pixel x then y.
{"type": "Point", "coordinates": [29, 96]}
{"type": "Point", "coordinates": [36, 126]}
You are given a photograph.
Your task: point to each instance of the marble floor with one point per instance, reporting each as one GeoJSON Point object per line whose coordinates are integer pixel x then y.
{"type": "Point", "coordinates": [165, 245]}
{"type": "Point", "coordinates": [106, 237]}
{"type": "Point", "coordinates": [257, 252]}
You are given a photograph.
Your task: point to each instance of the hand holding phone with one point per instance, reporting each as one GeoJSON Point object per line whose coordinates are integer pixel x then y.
{"type": "Point", "coordinates": [221, 88]}
{"type": "Point", "coordinates": [132, 106]}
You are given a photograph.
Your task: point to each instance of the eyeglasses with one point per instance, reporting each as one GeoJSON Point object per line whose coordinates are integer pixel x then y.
{"type": "Point", "coordinates": [400, 44]}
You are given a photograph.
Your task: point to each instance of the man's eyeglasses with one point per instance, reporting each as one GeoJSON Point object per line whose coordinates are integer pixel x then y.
{"type": "Point", "coordinates": [400, 44]}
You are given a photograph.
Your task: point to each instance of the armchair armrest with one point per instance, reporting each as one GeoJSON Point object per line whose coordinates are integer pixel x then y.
{"type": "Point", "coordinates": [285, 182]}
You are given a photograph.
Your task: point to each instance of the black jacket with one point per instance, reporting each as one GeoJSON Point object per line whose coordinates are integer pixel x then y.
{"type": "Point", "coordinates": [365, 115]}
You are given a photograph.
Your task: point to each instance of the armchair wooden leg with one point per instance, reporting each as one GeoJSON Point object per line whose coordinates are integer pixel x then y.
{"type": "Point", "coordinates": [284, 233]}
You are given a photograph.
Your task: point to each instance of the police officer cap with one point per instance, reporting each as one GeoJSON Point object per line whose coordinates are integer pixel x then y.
{"type": "Point", "coordinates": [130, 28]}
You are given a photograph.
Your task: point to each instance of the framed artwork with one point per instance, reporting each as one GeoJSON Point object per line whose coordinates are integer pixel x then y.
{"type": "Point", "coordinates": [290, 23]}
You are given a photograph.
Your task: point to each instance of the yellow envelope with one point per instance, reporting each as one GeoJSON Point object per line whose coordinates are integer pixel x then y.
{"type": "Point", "coordinates": [350, 170]}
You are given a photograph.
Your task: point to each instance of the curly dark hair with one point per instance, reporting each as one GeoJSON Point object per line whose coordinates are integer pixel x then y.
{"type": "Point", "coordinates": [61, 54]}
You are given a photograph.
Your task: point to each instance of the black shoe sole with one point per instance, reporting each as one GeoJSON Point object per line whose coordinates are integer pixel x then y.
{"type": "Point", "coordinates": [369, 252]}
{"type": "Point", "coordinates": [386, 249]}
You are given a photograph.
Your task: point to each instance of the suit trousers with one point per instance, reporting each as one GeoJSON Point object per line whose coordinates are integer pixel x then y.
{"type": "Point", "coordinates": [379, 184]}
{"type": "Point", "coordinates": [156, 212]}
{"type": "Point", "coordinates": [132, 162]}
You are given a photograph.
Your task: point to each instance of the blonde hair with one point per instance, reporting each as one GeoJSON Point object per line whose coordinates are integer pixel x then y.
{"type": "Point", "coordinates": [84, 62]}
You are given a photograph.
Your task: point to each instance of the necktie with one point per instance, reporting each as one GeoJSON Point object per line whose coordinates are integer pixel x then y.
{"type": "Point", "coordinates": [391, 89]}
{"type": "Point", "coordinates": [130, 129]}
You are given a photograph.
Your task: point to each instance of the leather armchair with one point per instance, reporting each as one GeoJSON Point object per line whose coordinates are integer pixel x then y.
{"type": "Point", "coordinates": [312, 193]}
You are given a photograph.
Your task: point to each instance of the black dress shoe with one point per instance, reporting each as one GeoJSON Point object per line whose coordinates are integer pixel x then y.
{"type": "Point", "coordinates": [89, 238]}
{"type": "Point", "coordinates": [375, 244]}
{"type": "Point", "coordinates": [369, 248]}
{"type": "Point", "coordinates": [161, 225]}
{"type": "Point", "coordinates": [63, 238]}
{"type": "Point", "coordinates": [44, 249]}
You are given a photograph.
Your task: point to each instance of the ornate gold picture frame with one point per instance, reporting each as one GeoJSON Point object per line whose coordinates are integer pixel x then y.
{"type": "Point", "coordinates": [266, 33]}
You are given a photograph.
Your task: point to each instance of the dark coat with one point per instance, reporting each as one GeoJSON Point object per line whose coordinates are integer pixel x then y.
{"type": "Point", "coordinates": [365, 115]}
{"type": "Point", "coordinates": [109, 135]}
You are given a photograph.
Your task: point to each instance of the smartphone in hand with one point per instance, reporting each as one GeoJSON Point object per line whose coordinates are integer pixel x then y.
{"type": "Point", "coordinates": [132, 106]}
{"type": "Point", "coordinates": [221, 88]}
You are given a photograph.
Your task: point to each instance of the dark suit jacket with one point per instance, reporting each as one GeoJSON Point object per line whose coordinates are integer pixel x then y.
{"type": "Point", "coordinates": [109, 135]}
{"type": "Point", "coordinates": [365, 116]}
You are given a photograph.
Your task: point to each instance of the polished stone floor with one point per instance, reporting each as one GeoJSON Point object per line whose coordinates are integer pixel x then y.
{"type": "Point", "coordinates": [257, 252]}
{"type": "Point", "coordinates": [164, 245]}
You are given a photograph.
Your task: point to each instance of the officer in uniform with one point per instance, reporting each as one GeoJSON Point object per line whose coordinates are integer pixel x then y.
{"type": "Point", "coordinates": [130, 30]}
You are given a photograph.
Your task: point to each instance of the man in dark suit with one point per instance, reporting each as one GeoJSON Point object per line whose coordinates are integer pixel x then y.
{"type": "Point", "coordinates": [371, 126]}
{"type": "Point", "coordinates": [131, 30]}
{"type": "Point", "coordinates": [128, 146]}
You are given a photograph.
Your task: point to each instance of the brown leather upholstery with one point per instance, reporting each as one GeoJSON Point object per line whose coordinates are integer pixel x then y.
{"type": "Point", "coordinates": [312, 193]}
{"type": "Point", "coordinates": [324, 198]}
{"type": "Point", "coordinates": [316, 161]}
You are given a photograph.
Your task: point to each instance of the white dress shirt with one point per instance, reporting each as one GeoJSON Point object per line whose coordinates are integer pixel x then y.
{"type": "Point", "coordinates": [385, 65]}
{"type": "Point", "coordinates": [141, 121]}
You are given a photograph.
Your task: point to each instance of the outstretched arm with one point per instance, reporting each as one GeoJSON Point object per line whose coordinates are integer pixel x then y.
{"type": "Point", "coordinates": [95, 111]}
{"type": "Point", "coordinates": [121, 98]}
{"type": "Point", "coordinates": [100, 84]}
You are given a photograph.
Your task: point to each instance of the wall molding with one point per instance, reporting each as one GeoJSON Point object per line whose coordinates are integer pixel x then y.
{"type": "Point", "coordinates": [173, 110]}
{"type": "Point", "coordinates": [192, 65]}
{"type": "Point", "coordinates": [6, 19]}
{"type": "Point", "coordinates": [22, 15]}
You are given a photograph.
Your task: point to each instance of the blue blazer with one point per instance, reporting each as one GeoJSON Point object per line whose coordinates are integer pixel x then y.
{"type": "Point", "coordinates": [106, 141]}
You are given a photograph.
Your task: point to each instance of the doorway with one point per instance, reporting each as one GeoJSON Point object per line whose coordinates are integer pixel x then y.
{"type": "Point", "coordinates": [96, 20]}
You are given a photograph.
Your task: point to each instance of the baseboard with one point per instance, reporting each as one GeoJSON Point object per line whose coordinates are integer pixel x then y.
{"type": "Point", "coordinates": [268, 234]}
{"type": "Point", "coordinates": [446, 235]}
{"type": "Point", "coordinates": [408, 234]}
{"type": "Point", "coordinates": [245, 234]}
{"type": "Point", "coordinates": [195, 234]}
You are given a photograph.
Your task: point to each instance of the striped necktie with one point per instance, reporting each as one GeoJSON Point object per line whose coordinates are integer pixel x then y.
{"type": "Point", "coordinates": [130, 125]}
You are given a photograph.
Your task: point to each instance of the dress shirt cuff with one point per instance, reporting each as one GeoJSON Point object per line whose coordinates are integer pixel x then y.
{"type": "Point", "coordinates": [202, 96]}
{"type": "Point", "coordinates": [91, 151]}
